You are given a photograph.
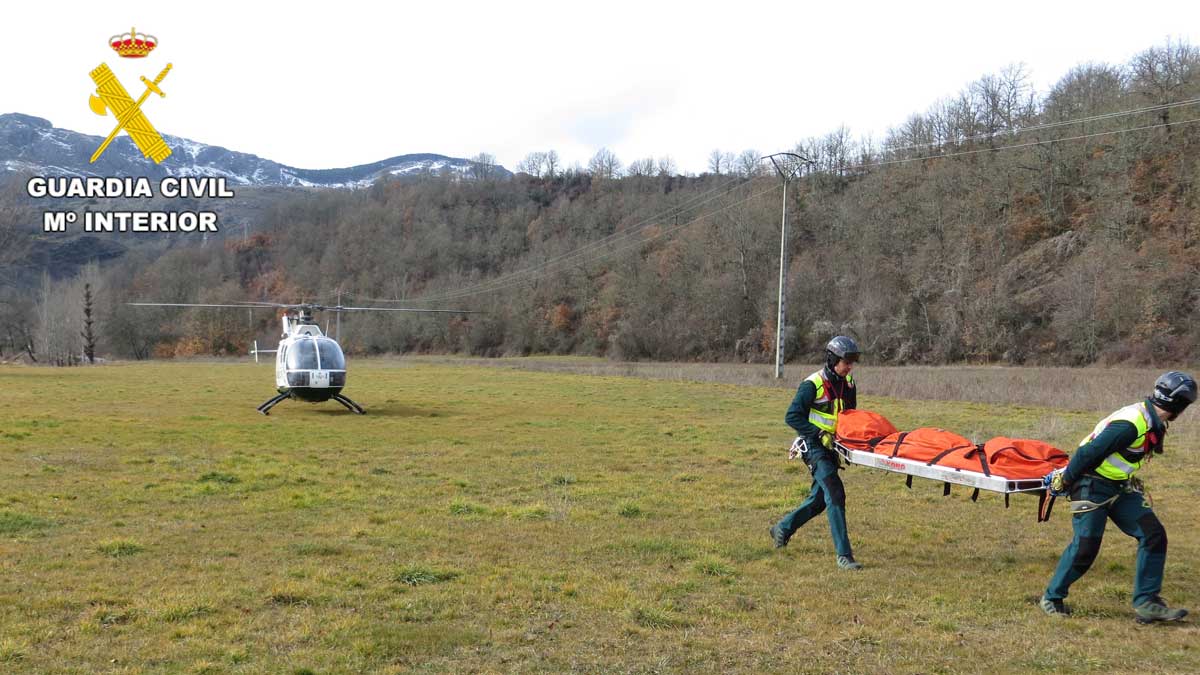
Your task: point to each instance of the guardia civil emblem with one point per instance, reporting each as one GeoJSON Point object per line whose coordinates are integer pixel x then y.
{"type": "Point", "coordinates": [111, 97]}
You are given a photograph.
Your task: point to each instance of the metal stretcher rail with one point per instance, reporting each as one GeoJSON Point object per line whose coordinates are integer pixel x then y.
{"type": "Point", "coordinates": [945, 474]}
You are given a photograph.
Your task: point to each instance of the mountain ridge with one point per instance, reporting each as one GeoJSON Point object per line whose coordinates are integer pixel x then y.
{"type": "Point", "coordinates": [34, 144]}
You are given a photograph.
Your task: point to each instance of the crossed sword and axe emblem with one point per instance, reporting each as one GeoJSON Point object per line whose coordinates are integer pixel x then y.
{"type": "Point", "coordinates": [112, 96]}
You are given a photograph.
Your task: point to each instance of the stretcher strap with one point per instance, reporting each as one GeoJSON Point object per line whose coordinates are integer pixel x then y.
{"type": "Point", "coordinates": [1045, 505]}
{"type": "Point", "coordinates": [983, 464]}
{"type": "Point", "coordinates": [899, 440]}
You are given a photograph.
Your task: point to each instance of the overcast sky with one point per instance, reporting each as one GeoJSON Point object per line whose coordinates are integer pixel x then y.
{"type": "Point", "coordinates": [334, 84]}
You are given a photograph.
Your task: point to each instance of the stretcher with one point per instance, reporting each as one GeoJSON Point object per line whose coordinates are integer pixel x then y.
{"type": "Point", "coordinates": [1002, 465]}
{"type": "Point", "coordinates": [945, 474]}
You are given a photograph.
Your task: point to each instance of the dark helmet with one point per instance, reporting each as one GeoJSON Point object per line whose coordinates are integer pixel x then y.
{"type": "Point", "coordinates": [1174, 391]}
{"type": "Point", "coordinates": [842, 347]}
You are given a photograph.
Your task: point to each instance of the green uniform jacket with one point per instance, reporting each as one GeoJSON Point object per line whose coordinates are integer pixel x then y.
{"type": "Point", "coordinates": [797, 413]}
{"type": "Point", "coordinates": [1117, 436]}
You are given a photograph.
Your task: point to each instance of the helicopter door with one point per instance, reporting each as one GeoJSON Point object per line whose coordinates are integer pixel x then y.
{"type": "Point", "coordinates": [281, 365]}
{"type": "Point", "coordinates": [302, 355]}
{"type": "Point", "coordinates": [301, 362]}
{"type": "Point", "coordinates": [333, 361]}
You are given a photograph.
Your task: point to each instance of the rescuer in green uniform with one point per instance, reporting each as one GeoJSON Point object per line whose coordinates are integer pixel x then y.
{"type": "Point", "coordinates": [813, 414]}
{"type": "Point", "coordinates": [1100, 480]}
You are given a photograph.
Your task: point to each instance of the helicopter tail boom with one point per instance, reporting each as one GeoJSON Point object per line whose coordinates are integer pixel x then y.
{"type": "Point", "coordinates": [256, 351]}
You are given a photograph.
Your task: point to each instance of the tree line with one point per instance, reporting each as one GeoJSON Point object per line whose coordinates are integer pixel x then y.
{"type": "Point", "coordinates": [1000, 225]}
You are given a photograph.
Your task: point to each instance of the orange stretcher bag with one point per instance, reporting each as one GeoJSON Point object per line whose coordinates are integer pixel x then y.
{"type": "Point", "coordinates": [1023, 457]}
{"type": "Point", "coordinates": [923, 444]}
{"type": "Point", "coordinates": [862, 429]}
{"type": "Point", "coordinates": [1002, 464]}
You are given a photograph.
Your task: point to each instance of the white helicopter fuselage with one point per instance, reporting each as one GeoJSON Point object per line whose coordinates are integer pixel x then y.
{"type": "Point", "coordinates": [308, 364]}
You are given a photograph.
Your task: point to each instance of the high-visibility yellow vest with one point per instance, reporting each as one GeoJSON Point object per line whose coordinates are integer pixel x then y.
{"type": "Point", "coordinates": [1116, 466]}
{"type": "Point", "coordinates": [824, 411]}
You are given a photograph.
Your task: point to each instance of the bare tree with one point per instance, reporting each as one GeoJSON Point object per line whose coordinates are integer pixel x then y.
{"type": "Point", "coordinates": [604, 165]}
{"type": "Point", "coordinates": [666, 166]}
{"type": "Point", "coordinates": [58, 312]}
{"type": "Point", "coordinates": [533, 164]}
{"type": "Point", "coordinates": [714, 161]}
{"type": "Point", "coordinates": [720, 162]}
{"type": "Point", "coordinates": [483, 166]}
{"type": "Point", "coordinates": [1162, 73]}
{"type": "Point", "coordinates": [641, 167]}
{"type": "Point", "coordinates": [16, 322]}
{"type": "Point", "coordinates": [749, 164]}
{"type": "Point", "coordinates": [1085, 90]}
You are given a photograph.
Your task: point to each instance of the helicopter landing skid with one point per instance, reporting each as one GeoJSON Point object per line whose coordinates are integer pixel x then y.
{"type": "Point", "coordinates": [266, 407]}
{"type": "Point", "coordinates": [354, 407]}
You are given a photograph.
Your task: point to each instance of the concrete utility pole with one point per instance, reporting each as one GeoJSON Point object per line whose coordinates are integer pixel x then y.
{"type": "Point", "coordinates": [791, 164]}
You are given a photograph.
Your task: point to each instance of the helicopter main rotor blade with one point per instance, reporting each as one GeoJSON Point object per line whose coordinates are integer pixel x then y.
{"type": "Point", "coordinates": [308, 306]}
{"type": "Point", "coordinates": [393, 309]}
{"type": "Point", "coordinates": [192, 304]}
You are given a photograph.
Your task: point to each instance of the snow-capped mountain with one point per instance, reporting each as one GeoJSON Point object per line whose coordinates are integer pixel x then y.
{"type": "Point", "coordinates": [34, 145]}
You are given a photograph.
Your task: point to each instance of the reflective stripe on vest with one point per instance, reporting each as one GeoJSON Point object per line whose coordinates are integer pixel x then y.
{"type": "Point", "coordinates": [825, 419]}
{"type": "Point", "coordinates": [1116, 467]}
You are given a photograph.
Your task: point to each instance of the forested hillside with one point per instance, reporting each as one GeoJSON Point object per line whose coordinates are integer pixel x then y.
{"type": "Point", "coordinates": [1001, 225]}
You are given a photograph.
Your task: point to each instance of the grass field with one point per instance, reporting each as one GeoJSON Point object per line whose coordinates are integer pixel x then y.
{"type": "Point", "coordinates": [499, 520]}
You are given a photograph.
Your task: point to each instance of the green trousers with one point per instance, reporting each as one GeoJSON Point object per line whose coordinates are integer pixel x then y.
{"type": "Point", "coordinates": [1131, 512]}
{"type": "Point", "coordinates": [827, 495]}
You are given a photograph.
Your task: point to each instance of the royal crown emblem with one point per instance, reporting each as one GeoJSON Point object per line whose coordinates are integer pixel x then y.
{"type": "Point", "coordinates": [111, 96]}
{"type": "Point", "coordinates": [133, 45]}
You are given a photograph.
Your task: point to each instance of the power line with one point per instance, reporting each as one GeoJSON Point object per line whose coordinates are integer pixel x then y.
{"type": "Point", "coordinates": [1042, 127]}
{"type": "Point", "coordinates": [536, 271]}
{"type": "Point", "coordinates": [1016, 146]}
{"type": "Point", "coordinates": [605, 254]}
{"type": "Point", "coordinates": [688, 205]}
{"type": "Point", "coordinates": [575, 256]}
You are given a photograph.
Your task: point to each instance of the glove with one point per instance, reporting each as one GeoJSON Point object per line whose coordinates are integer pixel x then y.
{"type": "Point", "coordinates": [799, 447]}
{"type": "Point", "coordinates": [1056, 483]}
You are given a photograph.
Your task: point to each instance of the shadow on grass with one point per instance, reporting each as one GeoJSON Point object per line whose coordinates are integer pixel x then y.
{"type": "Point", "coordinates": [379, 410]}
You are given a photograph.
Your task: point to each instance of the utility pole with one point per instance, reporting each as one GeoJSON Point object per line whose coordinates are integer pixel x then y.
{"type": "Point", "coordinates": [791, 164]}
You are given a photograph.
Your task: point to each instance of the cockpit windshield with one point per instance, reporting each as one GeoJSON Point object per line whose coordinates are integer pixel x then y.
{"type": "Point", "coordinates": [302, 355]}
{"type": "Point", "coordinates": [331, 355]}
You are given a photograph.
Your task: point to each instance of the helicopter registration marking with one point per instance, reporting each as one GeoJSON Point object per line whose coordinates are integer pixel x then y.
{"type": "Point", "coordinates": [318, 378]}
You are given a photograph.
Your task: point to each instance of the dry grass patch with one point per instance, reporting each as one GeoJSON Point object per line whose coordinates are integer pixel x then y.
{"type": "Point", "coordinates": [494, 519]}
{"type": "Point", "coordinates": [186, 611]}
{"type": "Point", "coordinates": [119, 548]}
{"type": "Point", "coordinates": [1090, 388]}
{"type": "Point", "coordinates": [714, 567]}
{"type": "Point", "coordinates": [14, 523]}
{"type": "Point", "coordinates": [12, 651]}
{"type": "Point", "coordinates": [421, 575]}
{"type": "Point", "coordinates": [657, 618]}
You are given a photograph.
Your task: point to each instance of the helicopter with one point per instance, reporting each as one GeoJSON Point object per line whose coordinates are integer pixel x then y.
{"type": "Point", "coordinates": [309, 365]}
